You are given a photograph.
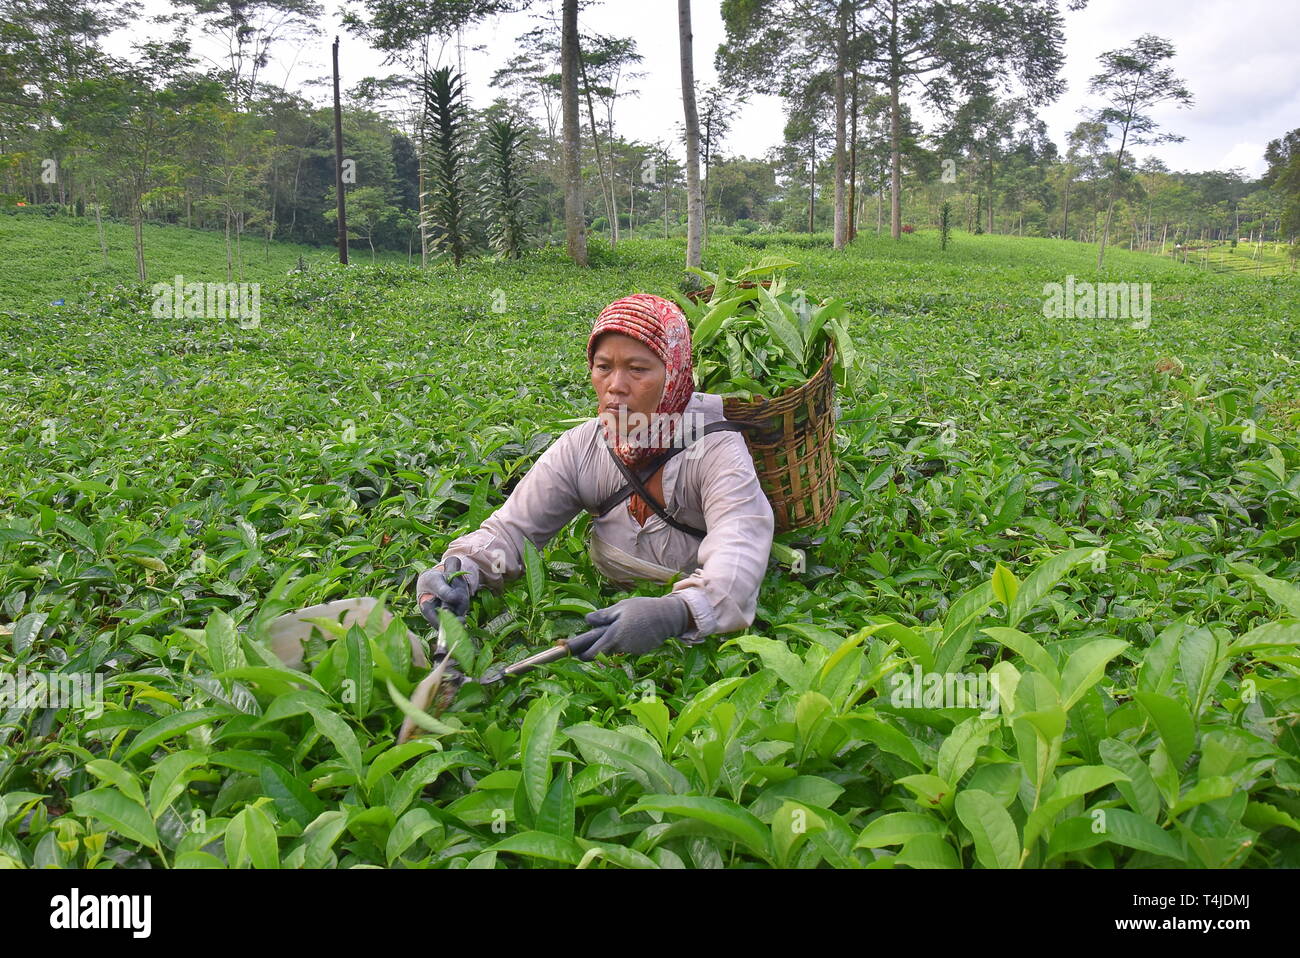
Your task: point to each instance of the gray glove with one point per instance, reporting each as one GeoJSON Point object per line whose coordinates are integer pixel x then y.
{"type": "Point", "coordinates": [634, 626]}
{"type": "Point", "coordinates": [441, 587]}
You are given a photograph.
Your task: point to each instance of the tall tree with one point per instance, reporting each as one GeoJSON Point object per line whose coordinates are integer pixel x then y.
{"type": "Point", "coordinates": [45, 47]}
{"type": "Point", "coordinates": [449, 203]}
{"type": "Point", "coordinates": [694, 194]}
{"type": "Point", "coordinates": [1132, 81]}
{"type": "Point", "coordinates": [404, 30]}
{"type": "Point", "coordinates": [249, 28]}
{"type": "Point", "coordinates": [716, 106]}
{"type": "Point", "coordinates": [505, 189]}
{"type": "Point", "coordinates": [989, 128]}
{"type": "Point", "coordinates": [944, 47]}
{"type": "Point", "coordinates": [1283, 175]}
{"type": "Point", "coordinates": [807, 111]}
{"type": "Point", "coordinates": [575, 219]}
{"type": "Point", "coordinates": [604, 61]}
{"type": "Point", "coordinates": [1084, 154]}
{"type": "Point", "coordinates": [139, 112]}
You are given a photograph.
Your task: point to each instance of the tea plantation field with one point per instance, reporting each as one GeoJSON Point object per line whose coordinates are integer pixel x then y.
{"type": "Point", "coordinates": [1096, 518]}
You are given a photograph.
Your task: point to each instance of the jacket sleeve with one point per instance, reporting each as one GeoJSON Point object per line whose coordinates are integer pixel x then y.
{"type": "Point", "coordinates": [542, 503]}
{"type": "Point", "coordinates": [723, 592]}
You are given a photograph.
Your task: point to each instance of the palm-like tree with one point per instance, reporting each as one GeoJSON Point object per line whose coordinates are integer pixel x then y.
{"type": "Point", "coordinates": [445, 180]}
{"type": "Point", "coordinates": [505, 189]}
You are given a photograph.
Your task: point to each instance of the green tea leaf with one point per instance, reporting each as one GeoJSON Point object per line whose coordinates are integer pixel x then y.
{"type": "Point", "coordinates": [624, 751]}
{"type": "Point", "coordinates": [897, 828]}
{"type": "Point", "coordinates": [150, 737]}
{"type": "Point", "coordinates": [1173, 722]}
{"type": "Point", "coordinates": [1043, 579]}
{"type": "Point", "coordinates": [718, 812]}
{"type": "Point", "coordinates": [958, 751]}
{"type": "Point", "coordinates": [555, 814]}
{"type": "Point", "coordinates": [541, 845]}
{"type": "Point", "coordinates": [1140, 789]}
{"type": "Point", "coordinates": [170, 778]}
{"type": "Point", "coordinates": [1125, 828]}
{"type": "Point", "coordinates": [222, 641]}
{"type": "Point", "coordinates": [251, 839]}
{"type": "Point", "coordinates": [996, 842]}
{"type": "Point", "coordinates": [123, 816]}
{"type": "Point", "coordinates": [698, 707]}
{"type": "Point", "coordinates": [927, 851]}
{"type": "Point", "coordinates": [534, 575]}
{"type": "Point", "coordinates": [1085, 667]}
{"type": "Point", "coordinates": [1028, 649]}
{"type": "Point", "coordinates": [1283, 593]}
{"type": "Point", "coordinates": [1005, 585]}
{"type": "Point", "coordinates": [536, 742]}
{"type": "Point", "coordinates": [410, 828]}
{"type": "Point", "coordinates": [117, 776]}
{"type": "Point", "coordinates": [360, 672]}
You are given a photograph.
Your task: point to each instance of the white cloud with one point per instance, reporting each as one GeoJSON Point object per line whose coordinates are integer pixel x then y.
{"type": "Point", "coordinates": [1247, 155]}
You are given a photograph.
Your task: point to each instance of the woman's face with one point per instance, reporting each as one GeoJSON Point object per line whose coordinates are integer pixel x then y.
{"type": "Point", "coordinates": [624, 372]}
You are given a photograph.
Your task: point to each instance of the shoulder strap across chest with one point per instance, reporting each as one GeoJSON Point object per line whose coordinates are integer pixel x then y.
{"type": "Point", "coordinates": [636, 483]}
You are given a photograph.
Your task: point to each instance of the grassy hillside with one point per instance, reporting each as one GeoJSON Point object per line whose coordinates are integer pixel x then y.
{"type": "Point", "coordinates": [50, 258]}
{"type": "Point", "coordinates": [1101, 513]}
{"type": "Point", "coordinates": [1256, 259]}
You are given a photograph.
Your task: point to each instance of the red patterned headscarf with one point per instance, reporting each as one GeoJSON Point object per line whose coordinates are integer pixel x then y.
{"type": "Point", "coordinates": [661, 327]}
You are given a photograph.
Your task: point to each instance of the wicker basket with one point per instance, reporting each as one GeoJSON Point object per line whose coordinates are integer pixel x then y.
{"type": "Point", "coordinates": [794, 445]}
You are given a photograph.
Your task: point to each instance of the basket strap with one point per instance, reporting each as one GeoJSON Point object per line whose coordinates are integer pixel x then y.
{"type": "Point", "coordinates": [636, 483]}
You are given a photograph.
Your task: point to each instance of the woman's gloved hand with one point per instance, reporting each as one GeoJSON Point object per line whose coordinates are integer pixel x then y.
{"type": "Point", "coordinates": [635, 626]}
{"type": "Point", "coordinates": [442, 587]}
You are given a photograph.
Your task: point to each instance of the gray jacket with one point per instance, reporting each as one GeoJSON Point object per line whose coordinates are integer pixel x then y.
{"type": "Point", "coordinates": [711, 486]}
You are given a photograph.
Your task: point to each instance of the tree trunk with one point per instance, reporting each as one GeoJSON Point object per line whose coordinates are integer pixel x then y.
{"type": "Point", "coordinates": [853, 158]}
{"type": "Point", "coordinates": [574, 215]}
{"type": "Point", "coordinates": [895, 135]}
{"type": "Point", "coordinates": [293, 201]}
{"type": "Point", "coordinates": [99, 221]}
{"type": "Point", "coordinates": [606, 189]}
{"type": "Point", "coordinates": [880, 202]}
{"type": "Point", "coordinates": [694, 197]}
{"type": "Point", "coordinates": [841, 106]}
{"type": "Point", "coordinates": [1065, 226]}
{"type": "Point", "coordinates": [423, 220]}
{"type": "Point", "coordinates": [666, 192]}
{"type": "Point", "coordinates": [1110, 202]}
{"type": "Point", "coordinates": [989, 228]}
{"type": "Point", "coordinates": [338, 167]}
{"type": "Point", "coordinates": [239, 248]}
{"type": "Point", "coordinates": [812, 181]}
{"type": "Point", "coordinates": [270, 223]}
{"type": "Point", "coordinates": [613, 168]}
{"type": "Point", "coordinates": [895, 164]}
{"type": "Point", "coordinates": [230, 268]}
{"type": "Point", "coordinates": [137, 218]}
{"type": "Point", "coordinates": [707, 142]}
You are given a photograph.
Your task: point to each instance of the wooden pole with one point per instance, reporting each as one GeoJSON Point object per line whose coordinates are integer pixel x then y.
{"type": "Point", "coordinates": [338, 161]}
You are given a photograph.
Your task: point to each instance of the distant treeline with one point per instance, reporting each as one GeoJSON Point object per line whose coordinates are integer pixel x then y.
{"type": "Point", "coordinates": [159, 138]}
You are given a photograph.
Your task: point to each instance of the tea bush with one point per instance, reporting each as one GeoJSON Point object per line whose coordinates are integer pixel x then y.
{"type": "Point", "coordinates": [1094, 520]}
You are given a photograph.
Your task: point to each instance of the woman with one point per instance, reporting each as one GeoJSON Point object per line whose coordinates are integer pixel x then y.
{"type": "Point", "coordinates": [639, 356]}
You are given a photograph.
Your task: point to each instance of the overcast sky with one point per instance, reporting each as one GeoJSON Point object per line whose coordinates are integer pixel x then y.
{"type": "Point", "coordinates": [1237, 56]}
